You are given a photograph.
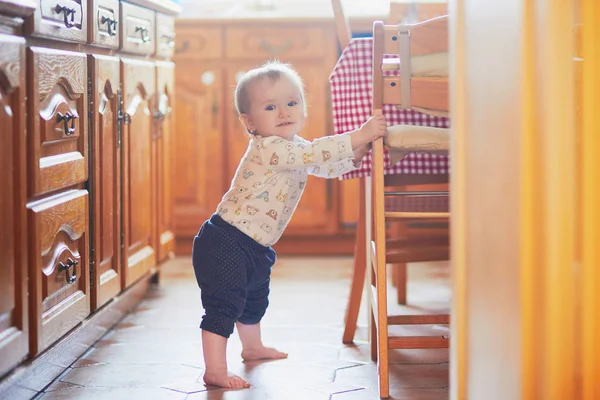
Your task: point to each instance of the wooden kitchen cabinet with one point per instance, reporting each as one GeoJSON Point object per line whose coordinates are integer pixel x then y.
{"type": "Point", "coordinates": [139, 219]}
{"type": "Point", "coordinates": [210, 59]}
{"type": "Point", "coordinates": [163, 128]}
{"type": "Point", "coordinates": [58, 230]}
{"type": "Point", "coordinates": [58, 119]}
{"type": "Point", "coordinates": [199, 142]}
{"type": "Point", "coordinates": [13, 238]}
{"type": "Point", "coordinates": [106, 177]}
{"type": "Point", "coordinates": [86, 165]}
{"type": "Point", "coordinates": [58, 259]}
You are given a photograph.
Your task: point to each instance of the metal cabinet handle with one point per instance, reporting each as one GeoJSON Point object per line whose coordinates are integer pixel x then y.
{"type": "Point", "coordinates": [169, 39]}
{"type": "Point", "coordinates": [65, 119]}
{"type": "Point", "coordinates": [66, 11]}
{"type": "Point", "coordinates": [70, 278]}
{"type": "Point", "coordinates": [112, 25]}
{"type": "Point", "coordinates": [145, 34]}
{"type": "Point", "coordinates": [275, 49]}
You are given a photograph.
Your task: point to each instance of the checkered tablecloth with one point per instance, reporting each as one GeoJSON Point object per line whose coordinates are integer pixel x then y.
{"type": "Point", "coordinates": [350, 84]}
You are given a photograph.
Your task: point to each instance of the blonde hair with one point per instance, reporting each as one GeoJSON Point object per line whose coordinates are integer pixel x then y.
{"type": "Point", "coordinates": [272, 70]}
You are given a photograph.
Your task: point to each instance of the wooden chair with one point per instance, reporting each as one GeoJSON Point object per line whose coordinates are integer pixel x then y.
{"type": "Point", "coordinates": [428, 47]}
{"type": "Point", "coordinates": [429, 93]}
{"type": "Point", "coordinates": [344, 35]}
{"type": "Point", "coordinates": [342, 25]}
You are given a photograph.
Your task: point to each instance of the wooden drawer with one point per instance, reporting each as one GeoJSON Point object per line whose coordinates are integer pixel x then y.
{"type": "Point", "coordinates": [165, 35]}
{"type": "Point", "coordinates": [198, 44]}
{"type": "Point", "coordinates": [58, 257]}
{"type": "Point", "coordinates": [245, 43]}
{"type": "Point", "coordinates": [57, 125]}
{"type": "Point", "coordinates": [61, 19]}
{"type": "Point", "coordinates": [138, 29]}
{"type": "Point", "coordinates": [104, 23]}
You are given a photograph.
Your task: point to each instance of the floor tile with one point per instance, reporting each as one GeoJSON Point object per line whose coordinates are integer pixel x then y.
{"type": "Point", "coordinates": [112, 393]}
{"type": "Point", "coordinates": [132, 375]}
{"type": "Point", "coordinates": [150, 353]}
{"type": "Point", "coordinates": [396, 394]}
{"type": "Point", "coordinates": [155, 352]}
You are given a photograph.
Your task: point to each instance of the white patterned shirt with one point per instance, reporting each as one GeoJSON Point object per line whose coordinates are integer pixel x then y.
{"type": "Point", "coordinates": [271, 177]}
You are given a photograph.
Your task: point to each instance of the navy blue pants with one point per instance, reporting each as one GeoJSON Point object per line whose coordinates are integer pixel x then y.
{"type": "Point", "coordinates": [233, 272]}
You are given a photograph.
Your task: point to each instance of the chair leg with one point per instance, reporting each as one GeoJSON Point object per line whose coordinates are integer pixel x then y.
{"type": "Point", "coordinates": [373, 337]}
{"type": "Point", "coordinates": [399, 230]}
{"type": "Point", "coordinates": [382, 327]}
{"type": "Point", "coordinates": [358, 274]}
{"type": "Point", "coordinates": [400, 279]}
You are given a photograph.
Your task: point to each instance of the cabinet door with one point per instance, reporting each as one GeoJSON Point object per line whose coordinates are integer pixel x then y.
{"type": "Point", "coordinates": [57, 121]}
{"type": "Point", "coordinates": [165, 85]}
{"type": "Point", "coordinates": [199, 151]}
{"type": "Point", "coordinates": [58, 259]}
{"type": "Point", "coordinates": [105, 179]}
{"type": "Point", "coordinates": [13, 235]}
{"type": "Point", "coordinates": [237, 136]}
{"type": "Point", "coordinates": [315, 212]}
{"type": "Point", "coordinates": [139, 253]}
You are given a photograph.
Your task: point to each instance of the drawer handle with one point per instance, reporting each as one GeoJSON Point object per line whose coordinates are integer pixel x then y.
{"type": "Point", "coordinates": [275, 49]}
{"type": "Point", "coordinates": [184, 46]}
{"type": "Point", "coordinates": [65, 119]}
{"type": "Point", "coordinates": [169, 39]}
{"type": "Point", "coordinates": [70, 278]}
{"type": "Point", "coordinates": [67, 11]}
{"type": "Point", "coordinates": [144, 31]}
{"type": "Point", "coordinates": [111, 25]}
{"type": "Point", "coordinates": [159, 117]}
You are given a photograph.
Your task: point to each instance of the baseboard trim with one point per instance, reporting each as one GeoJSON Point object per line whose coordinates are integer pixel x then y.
{"type": "Point", "coordinates": [32, 376]}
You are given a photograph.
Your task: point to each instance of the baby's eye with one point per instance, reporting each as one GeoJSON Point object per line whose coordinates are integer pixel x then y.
{"type": "Point", "coordinates": [270, 108]}
{"type": "Point", "coordinates": [292, 103]}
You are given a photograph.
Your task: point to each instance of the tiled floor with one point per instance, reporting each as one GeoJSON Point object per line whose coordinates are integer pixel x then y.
{"type": "Point", "coordinates": [155, 352]}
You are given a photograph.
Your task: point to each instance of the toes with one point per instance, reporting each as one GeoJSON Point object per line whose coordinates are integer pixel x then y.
{"type": "Point", "coordinates": [239, 383]}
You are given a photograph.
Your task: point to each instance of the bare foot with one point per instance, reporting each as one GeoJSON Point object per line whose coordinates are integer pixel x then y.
{"type": "Point", "coordinates": [225, 379]}
{"type": "Point", "coordinates": [263, 353]}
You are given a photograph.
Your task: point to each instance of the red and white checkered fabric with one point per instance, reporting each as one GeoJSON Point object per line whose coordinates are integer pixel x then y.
{"type": "Point", "coordinates": [351, 87]}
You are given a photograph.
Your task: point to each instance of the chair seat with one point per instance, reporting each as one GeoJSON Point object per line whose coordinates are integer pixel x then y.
{"type": "Point", "coordinates": [417, 206]}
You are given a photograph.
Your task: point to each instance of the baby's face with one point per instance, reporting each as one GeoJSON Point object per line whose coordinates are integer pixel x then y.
{"type": "Point", "coordinates": [276, 108]}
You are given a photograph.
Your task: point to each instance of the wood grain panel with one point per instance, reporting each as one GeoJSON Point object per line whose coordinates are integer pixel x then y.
{"type": "Point", "coordinates": [59, 275]}
{"type": "Point", "coordinates": [164, 119]}
{"type": "Point", "coordinates": [60, 19]}
{"type": "Point", "coordinates": [198, 44]}
{"type": "Point", "coordinates": [165, 35]}
{"type": "Point", "coordinates": [198, 145]}
{"type": "Point", "coordinates": [138, 29]}
{"type": "Point", "coordinates": [273, 42]}
{"type": "Point", "coordinates": [13, 239]}
{"type": "Point", "coordinates": [139, 253]}
{"type": "Point", "coordinates": [106, 178]}
{"type": "Point", "coordinates": [57, 103]}
{"type": "Point", "coordinates": [104, 19]}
